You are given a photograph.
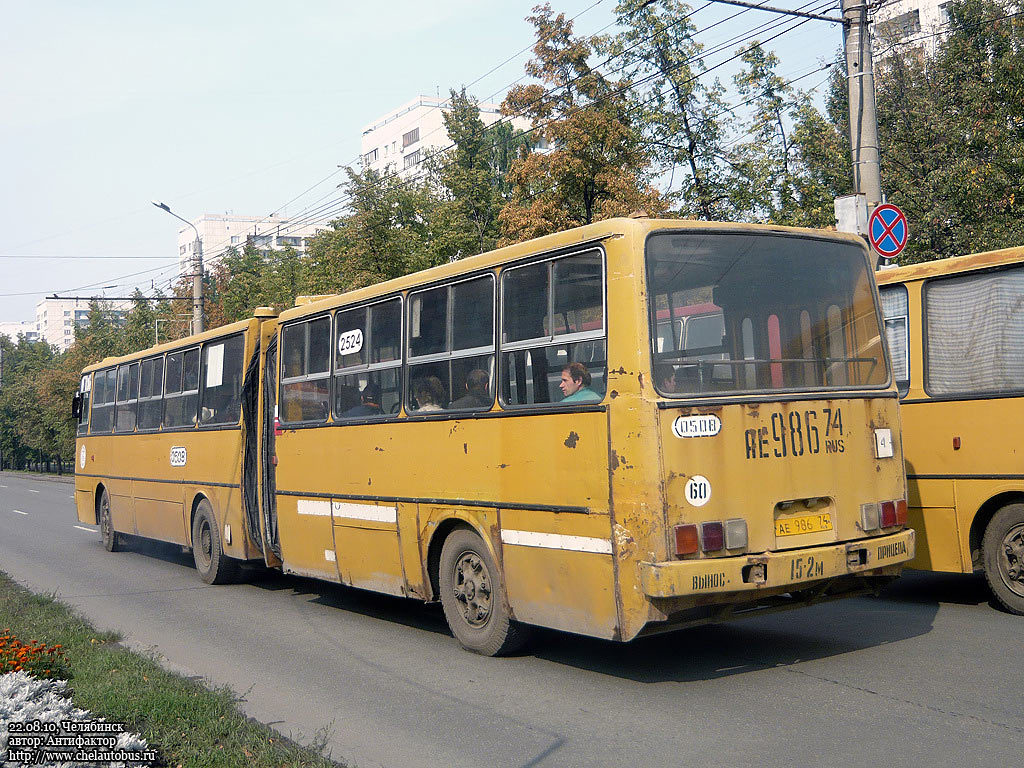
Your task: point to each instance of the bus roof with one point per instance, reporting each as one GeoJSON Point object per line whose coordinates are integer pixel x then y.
{"type": "Point", "coordinates": [170, 346]}
{"type": "Point", "coordinates": [591, 233]}
{"type": "Point", "coordinates": [950, 266]}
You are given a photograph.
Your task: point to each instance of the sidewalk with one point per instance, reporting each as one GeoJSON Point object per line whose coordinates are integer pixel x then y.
{"type": "Point", "coordinates": [65, 478]}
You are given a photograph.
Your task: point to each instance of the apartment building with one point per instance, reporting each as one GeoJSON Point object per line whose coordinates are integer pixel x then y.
{"type": "Point", "coordinates": [404, 137]}
{"type": "Point", "coordinates": [908, 24]}
{"type": "Point", "coordinates": [219, 232]}
{"type": "Point", "coordinates": [17, 328]}
{"type": "Point", "coordinates": [57, 319]}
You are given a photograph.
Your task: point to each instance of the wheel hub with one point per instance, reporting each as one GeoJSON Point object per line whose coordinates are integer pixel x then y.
{"type": "Point", "coordinates": [1012, 562]}
{"type": "Point", "coordinates": [472, 589]}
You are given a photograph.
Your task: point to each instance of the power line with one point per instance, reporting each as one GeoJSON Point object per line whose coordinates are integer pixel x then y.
{"type": "Point", "coordinates": [328, 210]}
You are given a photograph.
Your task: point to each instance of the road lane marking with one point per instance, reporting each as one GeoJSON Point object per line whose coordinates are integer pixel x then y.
{"type": "Point", "coordinates": [32, 490]}
{"type": "Point", "coordinates": [21, 513]}
{"type": "Point", "coordinates": [83, 528]}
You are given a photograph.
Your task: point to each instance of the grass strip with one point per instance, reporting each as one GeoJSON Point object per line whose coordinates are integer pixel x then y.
{"type": "Point", "coordinates": [189, 724]}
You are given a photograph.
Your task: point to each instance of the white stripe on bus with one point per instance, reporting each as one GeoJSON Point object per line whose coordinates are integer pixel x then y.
{"type": "Point", "coordinates": [314, 507]}
{"type": "Point", "coordinates": [557, 541]}
{"type": "Point", "coordinates": [370, 512]}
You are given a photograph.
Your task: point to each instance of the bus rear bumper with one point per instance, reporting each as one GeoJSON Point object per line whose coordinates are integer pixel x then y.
{"type": "Point", "coordinates": [771, 570]}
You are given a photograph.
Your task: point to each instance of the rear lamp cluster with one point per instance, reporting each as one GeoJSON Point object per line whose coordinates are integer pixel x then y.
{"type": "Point", "coordinates": [712, 536]}
{"type": "Point", "coordinates": [884, 514]}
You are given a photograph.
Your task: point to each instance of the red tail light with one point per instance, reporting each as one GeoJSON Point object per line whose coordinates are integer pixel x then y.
{"type": "Point", "coordinates": [712, 536]}
{"type": "Point", "coordinates": [686, 539]}
{"type": "Point", "coordinates": [901, 512]}
{"type": "Point", "coordinates": [887, 514]}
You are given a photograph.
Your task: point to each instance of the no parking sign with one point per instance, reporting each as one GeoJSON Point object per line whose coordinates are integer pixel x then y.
{"type": "Point", "coordinates": [888, 231]}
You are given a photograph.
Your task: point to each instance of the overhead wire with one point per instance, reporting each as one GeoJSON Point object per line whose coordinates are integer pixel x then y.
{"type": "Point", "coordinates": [321, 213]}
{"type": "Point", "coordinates": [326, 212]}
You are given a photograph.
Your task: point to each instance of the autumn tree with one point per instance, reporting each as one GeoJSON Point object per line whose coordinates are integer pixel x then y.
{"type": "Point", "coordinates": [595, 164]}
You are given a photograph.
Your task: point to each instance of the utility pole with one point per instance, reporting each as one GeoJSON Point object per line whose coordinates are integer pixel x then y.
{"type": "Point", "coordinates": [867, 178]}
{"type": "Point", "coordinates": [197, 270]}
{"type": "Point", "coordinates": [860, 72]}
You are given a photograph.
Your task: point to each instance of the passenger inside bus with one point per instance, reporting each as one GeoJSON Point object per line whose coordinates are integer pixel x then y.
{"type": "Point", "coordinates": [369, 405]}
{"type": "Point", "coordinates": [575, 385]}
{"type": "Point", "coordinates": [429, 394]}
{"type": "Point", "coordinates": [477, 391]}
{"type": "Point", "coordinates": [666, 375]}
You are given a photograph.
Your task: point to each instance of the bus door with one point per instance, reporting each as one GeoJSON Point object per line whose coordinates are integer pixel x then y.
{"type": "Point", "coordinates": [268, 456]}
{"type": "Point", "coordinates": [250, 449]}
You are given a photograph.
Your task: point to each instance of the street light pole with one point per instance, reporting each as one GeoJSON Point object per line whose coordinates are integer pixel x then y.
{"type": "Point", "coordinates": [197, 274]}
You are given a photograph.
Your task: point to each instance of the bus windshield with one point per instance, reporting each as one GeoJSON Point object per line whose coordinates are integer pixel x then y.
{"type": "Point", "coordinates": [733, 312]}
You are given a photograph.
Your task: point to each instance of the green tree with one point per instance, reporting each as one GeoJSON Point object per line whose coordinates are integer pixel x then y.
{"type": "Point", "coordinates": [680, 115]}
{"type": "Point", "coordinates": [595, 165]}
{"type": "Point", "coordinates": [387, 232]}
{"type": "Point", "coordinates": [467, 182]}
{"type": "Point", "coordinates": [951, 129]}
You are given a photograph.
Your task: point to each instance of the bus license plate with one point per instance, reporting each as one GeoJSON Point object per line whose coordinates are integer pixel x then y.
{"type": "Point", "coordinates": [793, 526]}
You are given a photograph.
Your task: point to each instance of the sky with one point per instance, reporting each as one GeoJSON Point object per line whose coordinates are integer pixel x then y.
{"type": "Point", "coordinates": [242, 107]}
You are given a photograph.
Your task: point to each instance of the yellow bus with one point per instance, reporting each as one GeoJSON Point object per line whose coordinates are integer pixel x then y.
{"type": "Point", "coordinates": [533, 436]}
{"type": "Point", "coordinates": [956, 331]}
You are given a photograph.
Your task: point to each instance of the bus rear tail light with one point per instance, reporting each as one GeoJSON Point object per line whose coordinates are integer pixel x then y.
{"type": "Point", "coordinates": [712, 536]}
{"type": "Point", "coordinates": [887, 514]}
{"type": "Point", "coordinates": [686, 539]}
{"type": "Point", "coordinates": [869, 517]}
{"type": "Point", "coordinates": [736, 533]}
{"type": "Point", "coordinates": [901, 511]}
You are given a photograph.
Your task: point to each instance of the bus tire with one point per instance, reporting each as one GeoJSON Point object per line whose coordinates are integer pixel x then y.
{"type": "Point", "coordinates": [213, 565]}
{"type": "Point", "coordinates": [473, 597]}
{"type": "Point", "coordinates": [111, 539]}
{"type": "Point", "coordinates": [1002, 551]}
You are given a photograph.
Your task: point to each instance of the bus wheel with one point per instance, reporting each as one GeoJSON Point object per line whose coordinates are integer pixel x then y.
{"type": "Point", "coordinates": [1003, 556]}
{"type": "Point", "coordinates": [213, 565]}
{"type": "Point", "coordinates": [111, 539]}
{"type": "Point", "coordinates": [473, 597]}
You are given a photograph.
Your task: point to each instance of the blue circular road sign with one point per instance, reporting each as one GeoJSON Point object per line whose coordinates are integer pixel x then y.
{"type": "Point", "coordinates": [888, 231]}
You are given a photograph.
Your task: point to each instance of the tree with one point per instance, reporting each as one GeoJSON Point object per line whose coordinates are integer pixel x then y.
{"type": "Point", "coordinates": [679, 114]}
{"type": "Point", "coordinates": [387, 232]}
{"type": "Point", "coordinates": [951, 133]}
{"type": "Point", "coordinates": [467, 182]}
{"type": "Point", "coordinates": [595, 165]}
{"type": "Point", "coordinates": [951, 128]}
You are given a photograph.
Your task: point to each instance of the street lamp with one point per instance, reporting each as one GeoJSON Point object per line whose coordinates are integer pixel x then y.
{"type": "Point", "coordinates": [197, 274]}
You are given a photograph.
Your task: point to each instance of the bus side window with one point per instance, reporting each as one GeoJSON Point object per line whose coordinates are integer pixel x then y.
{"type": "Point", "coordinates": [305, 371]}
{"type": "Point", "coordinates": [127, 397]}
{"type": "Point", "coordinates": [182, 389]}
{"type": "Point", "coordinates": [103, 401]}
{"type": "Point", "coordinates": [222, 381]}
{"type": "Point", "coordinates": [85, 390]}
{"type": "Point", "coordinates": [895, 310]}
{"type": "Point", "coordinates": [552, 315]}
{"type": "Point", "coordinates": [151, 393]}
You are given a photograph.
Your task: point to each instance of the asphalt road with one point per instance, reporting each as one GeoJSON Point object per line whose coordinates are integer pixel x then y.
{"type": "Point", "coordinates": [930, 674]}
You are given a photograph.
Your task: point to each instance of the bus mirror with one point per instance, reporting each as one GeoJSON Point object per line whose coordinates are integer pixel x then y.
{"type": "Point", "coordinates": [76, 406]}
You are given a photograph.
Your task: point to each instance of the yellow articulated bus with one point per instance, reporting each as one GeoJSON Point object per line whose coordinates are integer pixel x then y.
{"type": "Point", "coordinates": [956, 332]}
{"type": "Point", "coordinates": [619, 429]}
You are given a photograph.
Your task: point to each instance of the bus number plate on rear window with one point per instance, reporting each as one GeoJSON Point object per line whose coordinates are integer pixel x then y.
{"type": "Point", "coordinates": [794, 526]}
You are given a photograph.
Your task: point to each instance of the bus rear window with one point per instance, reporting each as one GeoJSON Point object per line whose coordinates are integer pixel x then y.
{"type": "Point", "coordinates": [743, 313]}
